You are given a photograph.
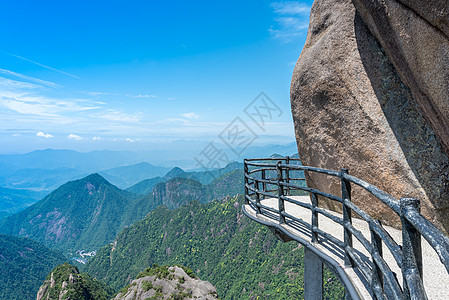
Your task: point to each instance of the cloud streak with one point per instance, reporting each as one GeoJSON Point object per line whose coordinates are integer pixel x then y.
{"type": "Point", "coordinates": [41, 65]}
{"type": "Point", "coordinates": [292, 20]}
{"type": "Point", "coordinates": [25, 77]}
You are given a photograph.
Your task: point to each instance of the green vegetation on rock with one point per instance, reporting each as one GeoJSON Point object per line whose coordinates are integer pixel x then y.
{"type": "Point", "coordinates": [65, 282]}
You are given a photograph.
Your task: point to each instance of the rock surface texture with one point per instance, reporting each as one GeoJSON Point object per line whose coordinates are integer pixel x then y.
{"type": "Point", "coordinates": [370, 92]}
{"type": "Point", "coordinates": [174, 285]}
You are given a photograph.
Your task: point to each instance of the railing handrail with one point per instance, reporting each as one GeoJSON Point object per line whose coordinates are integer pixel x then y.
{"type": "Point", "coordinates": [408, 256]}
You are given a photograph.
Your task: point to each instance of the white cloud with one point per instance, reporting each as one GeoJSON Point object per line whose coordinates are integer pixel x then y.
{"type": "Point", "coordinates": [170, 98]}
{"type": "Point", "coordinates": [191, 115]}
{"type": "Point", "coordinates": [96, 138]}
{"type": "Point", "coordinates": [292, 20]}
{"type": "Point", "coordinates": [25, 77]}
{"type": "Point", "coordinates": [113, 115]}
{"type": "Point", "coordinates": [74, 137]}
{"type": "Point", "coordinates": [130, 140]}
{"type": "Point", "coordinates": [27, 104]}
{"type": "Point", "coordinates": [16, 134]}
{"type": "Point", "coordinates": [141, 96]}
{"type": "Point", "coordinates": [44, 135]}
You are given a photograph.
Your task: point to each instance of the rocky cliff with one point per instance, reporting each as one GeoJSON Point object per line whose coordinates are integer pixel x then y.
{"type": "Point", "coordinates": [370, 93]}
{"type": "Point", "coordinates": [167, 283]}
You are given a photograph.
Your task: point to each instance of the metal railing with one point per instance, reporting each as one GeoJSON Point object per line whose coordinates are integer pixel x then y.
{"type": "Point", "coordinates": [272, 178]}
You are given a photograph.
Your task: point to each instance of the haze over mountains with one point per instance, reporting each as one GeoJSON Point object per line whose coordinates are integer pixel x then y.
{"type": "Point", "coordinates": [29, 177]}
{"type": "Point", "coordinates": [86, 214]}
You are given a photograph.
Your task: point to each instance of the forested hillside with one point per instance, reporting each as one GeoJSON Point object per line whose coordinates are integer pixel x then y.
{"type": "Point", "coordinates": [82, 214]}
{"type": "Point", "coordinates": [240, 258]}
{"type": "Point", "coordinates": [24, 264]}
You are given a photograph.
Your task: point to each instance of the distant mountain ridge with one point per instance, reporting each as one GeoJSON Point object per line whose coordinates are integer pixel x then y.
{"type": "Point", "coordinates": [88, 213]}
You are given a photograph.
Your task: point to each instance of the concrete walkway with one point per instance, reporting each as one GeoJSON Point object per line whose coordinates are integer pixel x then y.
{"type": "Point", "coordinates": [435, 276]}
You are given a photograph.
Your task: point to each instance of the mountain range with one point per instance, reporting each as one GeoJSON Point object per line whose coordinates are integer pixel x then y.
{"type": "Point", "coordinates": [88, 213]}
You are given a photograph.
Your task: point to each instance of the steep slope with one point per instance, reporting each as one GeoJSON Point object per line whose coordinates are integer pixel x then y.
{"type": "Point", "coordinates": [180, 191]}
{"type": "Point", "coordinates": [83, 214]}
{"type": "Point", "coordinates": [145, 186]}
{"type": "Point", "coordinates": [127, 176]}
{"type": "Point", "coordinates": [14, 200]}
{"type": "Point", "coordinates": [24, 264]}
{"type": "Point", "coordinates": [240, 258]}
{"type": "Point", "coordinates": [65, 282]}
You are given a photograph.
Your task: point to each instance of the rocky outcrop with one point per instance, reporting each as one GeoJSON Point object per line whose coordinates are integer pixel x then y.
{"type": "Point", "coordinates": [354, 109]}
{"type": "Point", "coordinates": [168, 283]}
{"type": "Point", "coordinates": [65, 282]}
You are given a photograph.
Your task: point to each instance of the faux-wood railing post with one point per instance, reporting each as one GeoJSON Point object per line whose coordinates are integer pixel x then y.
{"type": "Point", "coordinates": [256, 186]}
{"type": "Point", "coordinates": [347, 220]}
{"type": "Point", "coordinates": [287, 174]}
{"type": "Point", "coordinates": [264, 184]}
{"type": "Point", "coordinates": [411, 253]}
{"type": "Point", "coordinates": [314, 199]}
{"type": "Point", "coordinates": [245, 168]}
{"type": "Point", "coordinates": [376, 272]}
{"type": "Point", "coordinates": [280, 193]}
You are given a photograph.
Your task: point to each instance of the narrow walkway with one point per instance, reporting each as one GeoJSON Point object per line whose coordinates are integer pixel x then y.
{"type": "Point", "coordinates": [435, 277]}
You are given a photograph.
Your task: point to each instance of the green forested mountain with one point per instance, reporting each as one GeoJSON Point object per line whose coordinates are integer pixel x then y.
{"type": "Point", "coordinates": [127, 176]}
{"type": "Point", "coordinates": [180, 191]}
{"type": "Point", "coordinates": [145, 186]}
{"type": "Point", "coordinates": [66, 282]}
{"type": "Point", "coordinates": [24, 264]}
{"type": "Point", "coordinates": [240, 258]}
{"type": "Point", "coordinates": [88, 213]}
{"type": "Point", "coordinates": [83, 214]}
{"type": "Point", "coordinates": [14, 200]}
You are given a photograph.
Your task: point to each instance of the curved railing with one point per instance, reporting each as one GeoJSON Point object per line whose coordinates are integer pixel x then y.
{"type": "Point", "coordinates": [276, 178]}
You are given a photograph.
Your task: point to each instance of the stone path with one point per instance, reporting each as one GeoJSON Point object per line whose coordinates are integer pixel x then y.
{"type": "Point", "coordinates": [435, 276]}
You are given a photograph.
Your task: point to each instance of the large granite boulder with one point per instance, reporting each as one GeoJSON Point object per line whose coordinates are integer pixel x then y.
{"type": "Point", "coordinates": [415, 36]}
{"type": "Point", "coordinates": [352, 109]}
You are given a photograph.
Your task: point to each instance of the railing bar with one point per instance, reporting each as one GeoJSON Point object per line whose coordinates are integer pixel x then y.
{"type": "Point", "coordinates": [261, 164]}
{"type": "Point", "coordinates": [313, 169]}
{"type": "Point", "coordinates": [394, 248]}
{"type": "Point", "coordinates": [330, 216]}
{"type": "Point", "coordinates": [271, 158]}
{"type": "Point", "coordinates": [389, 277]}
{"type": "Point", "coordinates": [330, 237]}
{"type": "Point", "coordinates": [359, 235]}
{"type": "Point", "coordinates": [261, 192]}
{"type": "Point", "coordinates": [287, 215]}
{"type": "Point", "coordinates": [391, 244]}
{"type": "Point", "coordinates": [359, 263]}
{"type": "Point", "coordinates": [267, 181]}
{"type": "Point", "coordinates": [433, 236]}
{"type": "Point", "coordinates": [311, 190]}
{"type": "Point", "coordinates": [386, 198]}
{"type": "Point", "coordinates": [299, 203]}
{"type": "Point", "coordinates": [260, 169]}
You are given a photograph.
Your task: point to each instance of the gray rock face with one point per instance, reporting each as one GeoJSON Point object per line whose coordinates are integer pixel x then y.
{"type": "Point", "coordinates": [415, 36]}
{"type": "Point", "coordinates": [352, 109]}
{"type": "Point", "coordinates": [177, 285]}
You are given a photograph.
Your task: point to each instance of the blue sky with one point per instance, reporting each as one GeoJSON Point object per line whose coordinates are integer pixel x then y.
{"type": "Point", "coordinates": [93, 75]}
